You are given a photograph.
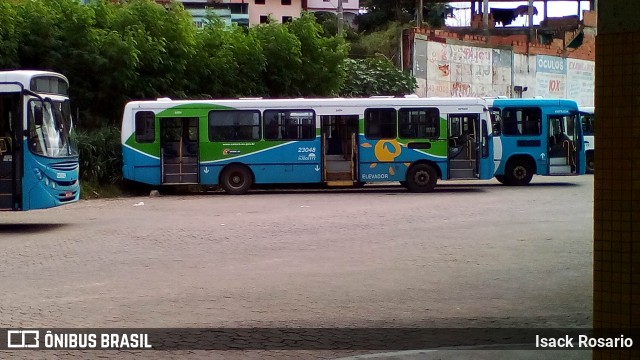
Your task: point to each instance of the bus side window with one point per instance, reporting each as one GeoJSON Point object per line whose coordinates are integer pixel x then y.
{"type": "Point", "coordinates": [496, 122]}
{"type": "Point", "coordinates": [145, 127]}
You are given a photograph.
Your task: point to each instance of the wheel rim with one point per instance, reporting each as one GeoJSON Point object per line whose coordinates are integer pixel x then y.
{"type": "Point", "coordinates": [236, 180]}
{"type": "Point", "coordinates": [422, 178]}
{"type": "Point", "coordinates": [520, 172]}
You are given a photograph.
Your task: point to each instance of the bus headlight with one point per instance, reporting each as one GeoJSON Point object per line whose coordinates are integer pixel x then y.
{"type": "Point", "coordinates": [37, 173]}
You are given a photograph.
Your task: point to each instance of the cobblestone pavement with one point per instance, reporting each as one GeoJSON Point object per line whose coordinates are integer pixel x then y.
{"type": "Point", "coordinates": [470, 254]}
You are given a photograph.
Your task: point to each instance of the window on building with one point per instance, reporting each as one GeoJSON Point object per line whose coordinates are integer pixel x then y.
{"type": "Point", "coordinates": [380, 123]}
{"type": "Point", "coordinates": [286, 19]}
{"type": "Point", "coordinates": [145, 127]}
{"type": "Point", "coordinates": [289, 125]}
{"type": "Point", "coordinates": [521, 121]}
{"type": "Point", "coordinates": [264, 19]}
{"type": "Point", "coordinates": [234, 125]}
{"type": "Point", "coordinates": [419, 123]}
{"type": "Point", "coordinates": [285, 2]}
{"type": "Point", "coordinates": [259, 2]}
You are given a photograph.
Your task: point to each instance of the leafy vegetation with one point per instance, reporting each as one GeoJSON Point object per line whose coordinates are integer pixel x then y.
{"type": "Point", "coordinates": [376, 76]}
{"type": "Point", "coordinates": [113, 52]}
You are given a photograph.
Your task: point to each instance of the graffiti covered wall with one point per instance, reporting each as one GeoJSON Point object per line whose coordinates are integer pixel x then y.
{"type": "Point", "coordinates": [551, 76]}
{"type": "Point", "coordinates": [444, 70]}
{"type": "Point", "coordinates": [581, 81]}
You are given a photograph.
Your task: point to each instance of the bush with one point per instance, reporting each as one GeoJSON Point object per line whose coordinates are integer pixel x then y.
{"type": "Point", "coordinates": [376, 76]}
{"type": "Point", "coordinates": [100, 155]}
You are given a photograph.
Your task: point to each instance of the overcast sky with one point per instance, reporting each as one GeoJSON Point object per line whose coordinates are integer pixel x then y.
{"type": "Point", "coordinates": [554, 9]}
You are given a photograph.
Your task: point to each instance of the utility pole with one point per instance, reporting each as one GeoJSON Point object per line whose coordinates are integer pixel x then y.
{"type": "Point", "coordinates": [340, 17]}
{"type": "Point", "coordinates": [419, 13]}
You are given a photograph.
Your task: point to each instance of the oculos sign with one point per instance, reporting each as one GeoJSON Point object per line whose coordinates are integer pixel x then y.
{"type": "Point", "coordinates": [551, 64]}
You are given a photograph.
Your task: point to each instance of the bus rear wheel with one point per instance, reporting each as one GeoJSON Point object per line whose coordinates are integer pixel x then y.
{"type": "Point", "coordinates": [590, 163]}
{"type": "Point", "coordinates": [518, 173]}
{"type": "Point", "coordinates": [421, 178]}
{"type": "Point", "coordinates": [236, 179]}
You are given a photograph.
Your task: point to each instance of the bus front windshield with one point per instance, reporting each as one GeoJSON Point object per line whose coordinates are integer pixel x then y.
{"type": "Point", "coordinates": [50, 128]}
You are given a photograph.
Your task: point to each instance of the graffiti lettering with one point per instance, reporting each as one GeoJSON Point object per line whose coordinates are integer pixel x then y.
{"type": "Point", "coordinates": [460, 89]}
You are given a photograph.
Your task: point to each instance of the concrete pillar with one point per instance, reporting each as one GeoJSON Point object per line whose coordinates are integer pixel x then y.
{"type": "Point", "coordinates": [616, 276]}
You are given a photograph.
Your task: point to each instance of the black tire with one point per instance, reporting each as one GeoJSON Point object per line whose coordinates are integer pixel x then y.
{"type": "Point", "coordinates": [501, 179]}
{"type": "Point", "coordinates": [518, 173]}
{"type": "Point", "coordinates": [358, 184]}
{"type": "Point", "coordinates": [421, 178]}
{"type": "Point", "coordinates": [236, 179]}
{"type": "Point", "coordinates": [591, 162]}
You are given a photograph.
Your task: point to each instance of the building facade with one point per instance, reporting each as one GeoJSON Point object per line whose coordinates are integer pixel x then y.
{"type": "Point", "coordinates": [350, 8]}
{"type": "Point", "coordinates": [254, 12]}
{"type": "Point", "coordinates": [260, 11]}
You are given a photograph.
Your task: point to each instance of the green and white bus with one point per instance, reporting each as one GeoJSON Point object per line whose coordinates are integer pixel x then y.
{"type": "Point", "coordinates": [237, 143]}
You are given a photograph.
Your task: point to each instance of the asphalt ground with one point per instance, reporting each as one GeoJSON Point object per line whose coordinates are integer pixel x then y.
{"type": "Point", "coordinates": [471, 254]}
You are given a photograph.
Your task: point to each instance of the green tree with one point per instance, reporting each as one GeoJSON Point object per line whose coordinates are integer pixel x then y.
{"type": "Point", "coordinates": [385, 41]}
{"type": "Point", "coordinates": [376, 76]}
{"type": "Point", "coordinates": [322, 57]}
{"type": "Point", "coordinates": [164, 38]}
{"type": "Point", "coordinates": [8, 37]}
{"type": "Point", "coordinates": [227, 62]}
{"type": "Point", "coordinates": [283, 55]}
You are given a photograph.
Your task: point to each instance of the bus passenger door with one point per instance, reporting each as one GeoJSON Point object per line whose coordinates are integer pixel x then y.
{"type": "Point", "coordinates": [562, 149]}
{"type": "Point", "coordinates": [464, 138]}
{"type": "Point", "coordinates": [179, 150]}
{"type": "Point", "coordinates": [339, 149]}
{"type": "Point", "coordinates": [10, 150]}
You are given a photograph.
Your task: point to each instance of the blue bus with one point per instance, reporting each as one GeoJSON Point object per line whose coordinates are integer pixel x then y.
{"type": "Point", "coordinates": [237, 143]}
{"type": "Point", "coordinates": [38, 160]}
{"type": "Point", "coordinates": [536, 136]}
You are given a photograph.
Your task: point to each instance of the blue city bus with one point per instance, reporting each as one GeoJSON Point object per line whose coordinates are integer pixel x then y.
{"type": "Point", "coordinates": [237, 143]}
{"type": "Point", "coordinates": [536, 136]}
{"type": "Point", "coordinates": [38, 160]}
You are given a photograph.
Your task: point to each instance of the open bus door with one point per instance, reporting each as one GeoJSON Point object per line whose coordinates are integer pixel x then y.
{"type": "Point", "coordinates": [10, 149]}
{"type": "Point", "coordinates": [465, 137]}
{"type": "Point", "coordinates": [339, 149]}
{"type": "Point", "coordinates": [563, 147]}
{"type": "Point", "coordinates": [179, 150]}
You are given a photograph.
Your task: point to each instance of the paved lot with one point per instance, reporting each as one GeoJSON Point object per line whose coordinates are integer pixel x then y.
{"type": "Point", "coordinates": [470, 254]}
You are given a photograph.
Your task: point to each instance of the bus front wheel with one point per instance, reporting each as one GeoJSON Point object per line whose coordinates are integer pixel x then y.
{"type": "Point", "coordinates": [518, 173]}
{"type": "Point", "coordinates": [421, 178]}
{"type": "Point", "coordinates": [236, 180]}
{"type": "Point", "coordinates": [501, 179]}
